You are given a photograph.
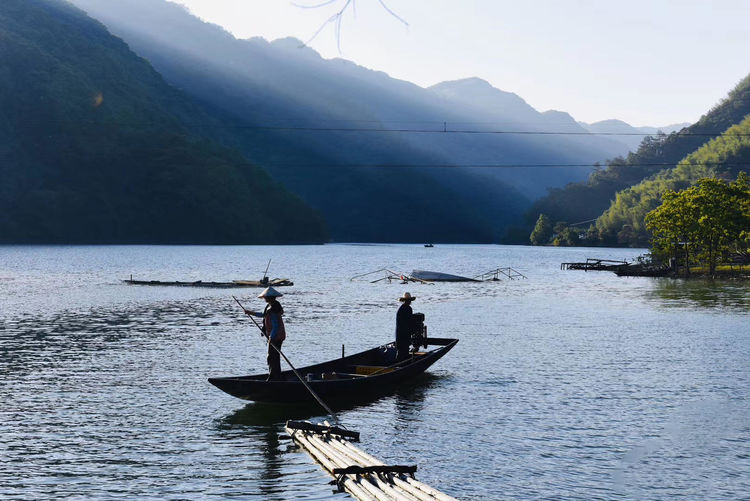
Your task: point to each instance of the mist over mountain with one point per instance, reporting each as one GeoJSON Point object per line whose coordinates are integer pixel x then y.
{"type": "Point", "coordinates": [310, 122]}
{"type": "Point", "coordinates": [95, 147]}
{"type": "Point", "coordinates": [629, 135]}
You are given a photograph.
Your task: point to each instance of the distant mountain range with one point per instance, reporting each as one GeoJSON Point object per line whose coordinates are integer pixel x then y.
{"type": "Point", "coordinates": [171, 137]}
{"type": "Point", "coordinates": [630, 136]}
{"type": "Point", "coordinates": [382, 159]}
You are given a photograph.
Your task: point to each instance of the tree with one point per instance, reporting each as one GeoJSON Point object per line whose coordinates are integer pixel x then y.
{"type": "Point", "coordinates": [705, 221]}
{"type": "Point", "coordinates": [542, 231]}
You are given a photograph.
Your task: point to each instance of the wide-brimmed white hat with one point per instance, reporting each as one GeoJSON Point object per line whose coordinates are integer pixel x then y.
{"type": "Point", "coordinates": [407, 297]}
{"type": "Point", "coordinates": [270, 292]}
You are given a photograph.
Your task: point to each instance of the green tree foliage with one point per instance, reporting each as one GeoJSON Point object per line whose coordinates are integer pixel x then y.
{"type": "Point", "coordinates": [542, 231]}
{"type": "Point", "coordinates": [564, 235]}
{"type": "Point", "coordinates": [584, 201]}
{"type": "Point", "coordinates": [703, 222]}
{"type": "Point", "coordinates": [721, 157]}
{"type": "Point", "coordinates": [95, 147]}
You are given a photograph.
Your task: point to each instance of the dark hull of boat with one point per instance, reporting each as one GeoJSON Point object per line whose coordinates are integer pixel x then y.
{"type": "Point", "coordinates": [341, 383]}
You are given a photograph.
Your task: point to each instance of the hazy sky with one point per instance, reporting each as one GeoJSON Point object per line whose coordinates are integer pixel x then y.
{"type": "Point", "coordinates": [648, 62]}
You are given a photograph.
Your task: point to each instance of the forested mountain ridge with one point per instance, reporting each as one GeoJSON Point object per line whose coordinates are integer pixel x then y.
{"type": "Point", "coordinates": [579, 202]}
{"type": "Point", "coordinates": [94, 147]}
{"type": "Point", "coordinates": [309, 122]}
{"type": "Point", "coordinates": [724, 157]}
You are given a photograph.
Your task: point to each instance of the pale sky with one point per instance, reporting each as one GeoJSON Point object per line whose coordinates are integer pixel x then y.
{"type": "Point", "coordinates": [647, 62]}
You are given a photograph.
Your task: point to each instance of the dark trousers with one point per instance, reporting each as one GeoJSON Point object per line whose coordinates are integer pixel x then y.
{"type": "Point", "coordinates": [402, 347]}
{"type": "Point", "coordinates": [274, 360]}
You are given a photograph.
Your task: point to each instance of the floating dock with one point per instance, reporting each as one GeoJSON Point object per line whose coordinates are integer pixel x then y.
{"type": "Point", "coordinates": [356, 472]}
{"type": "Point", "coordinates": [596, 264]}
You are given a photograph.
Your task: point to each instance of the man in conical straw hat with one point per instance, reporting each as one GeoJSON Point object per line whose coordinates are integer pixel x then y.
{"type": "Point", "coordinates": [404, 326]}
{"type": "Point", "coordinates": [273, 327]}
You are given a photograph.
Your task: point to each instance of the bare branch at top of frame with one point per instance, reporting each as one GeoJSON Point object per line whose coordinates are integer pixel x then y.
{"type": "Point", "coordinates": [336, 18]}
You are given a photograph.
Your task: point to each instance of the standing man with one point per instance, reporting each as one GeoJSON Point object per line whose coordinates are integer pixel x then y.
{"type": "Point", "coordinates": [404, 326]}
{"type": "Point", "coordinates": [273, 327]}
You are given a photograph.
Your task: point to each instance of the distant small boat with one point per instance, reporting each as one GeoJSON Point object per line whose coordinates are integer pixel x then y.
{"type": "Point", "coordinates": [436, 276]}
{"type": "Point", "coordinates": [429, 245]}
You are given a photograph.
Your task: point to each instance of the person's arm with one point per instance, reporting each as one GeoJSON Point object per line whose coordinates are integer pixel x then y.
{"type": "Point", "coordinates": [251, 313]}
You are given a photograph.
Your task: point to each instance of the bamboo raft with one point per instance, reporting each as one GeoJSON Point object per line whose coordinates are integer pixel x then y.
{"type": "Point", "coordinates": [356, 472]}
{"type": "Point", "coordinates": [276, 282]}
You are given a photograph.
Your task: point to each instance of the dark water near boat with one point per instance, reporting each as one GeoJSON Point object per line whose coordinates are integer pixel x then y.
{"type": "Point", "coordinates": [567, 385]}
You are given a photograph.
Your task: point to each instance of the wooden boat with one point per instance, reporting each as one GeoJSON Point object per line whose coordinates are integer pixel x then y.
{"type": "Point", "coordinates": [359, 376]}
{"type": "Point", "coordinates": [276, 282]}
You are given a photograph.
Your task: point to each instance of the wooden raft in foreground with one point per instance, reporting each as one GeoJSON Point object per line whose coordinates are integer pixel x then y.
{"type": "Point", "coordinates": [361, 475]}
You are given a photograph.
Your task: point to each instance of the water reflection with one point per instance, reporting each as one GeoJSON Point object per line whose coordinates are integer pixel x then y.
{"type": "Point", "coordinates": [63, 336]}
{"type": "Point", "coordinates": [409, 400]}
{"type": "Point", "coordinates": [272, 462]}
{"type": "Point", "coordinates": [703, 293]}
{"type": "Point", "coordinates": [261, 414]}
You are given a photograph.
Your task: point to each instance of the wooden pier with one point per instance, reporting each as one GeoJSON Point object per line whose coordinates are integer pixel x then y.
{"type": "Point", "coordinates": [356, 472]}
{"type": "Point", "coordinates": [596, 264]}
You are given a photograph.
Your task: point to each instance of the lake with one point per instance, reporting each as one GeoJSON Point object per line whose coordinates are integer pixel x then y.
{"type": "Point", "coordinates": [564, 385]}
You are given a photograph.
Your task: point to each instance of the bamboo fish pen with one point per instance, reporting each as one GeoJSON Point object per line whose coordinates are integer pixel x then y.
{"type": "Point", "coordinates": [360, 474]}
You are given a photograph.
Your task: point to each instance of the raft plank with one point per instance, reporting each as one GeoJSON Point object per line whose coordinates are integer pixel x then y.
{"type": "Point", "coordinates": [369, 478]}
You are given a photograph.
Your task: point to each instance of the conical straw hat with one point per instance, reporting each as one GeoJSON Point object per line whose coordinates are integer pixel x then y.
{"type": "Point", "coordinates": [270, 292]}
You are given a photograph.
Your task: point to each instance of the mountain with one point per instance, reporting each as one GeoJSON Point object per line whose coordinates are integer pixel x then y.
{"type": "Point", "coordinates": [95, 147]}
{"type": "Point", "coordinates": [379, 157]}
{"type": "Point", "coordinates": [586, 201]}
{"type": "Point", "coordinates": [725, 157]}
{"type": "Point", "coordinates": [630, 136]}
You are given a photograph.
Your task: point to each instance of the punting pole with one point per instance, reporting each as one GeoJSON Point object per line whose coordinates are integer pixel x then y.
{"type": "Point", "coordinates": [368, 477]}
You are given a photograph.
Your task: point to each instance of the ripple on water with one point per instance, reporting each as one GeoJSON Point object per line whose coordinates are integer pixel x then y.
{"type": "Point", "coordinates": [564, 385]}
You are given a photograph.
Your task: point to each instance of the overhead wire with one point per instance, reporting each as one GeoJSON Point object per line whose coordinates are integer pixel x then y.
{"type": "Point", "coordinates": [494, 166]}
{"type": "Point", "coordinates": [443, 129]}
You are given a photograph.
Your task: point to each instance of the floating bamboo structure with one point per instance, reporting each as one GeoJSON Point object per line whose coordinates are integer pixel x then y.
{"type": "Point", "coordinates": [430, 277]}
{"type": "Point", "coordinates": [360, 474]}
{"type": "Point", "coordinates": [390, 276]}
{"type": "Point", "coordinates": [494, 275]}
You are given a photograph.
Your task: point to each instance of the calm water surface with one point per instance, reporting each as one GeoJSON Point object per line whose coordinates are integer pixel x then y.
{"type": "Point", "coordinates": [567, 385]}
